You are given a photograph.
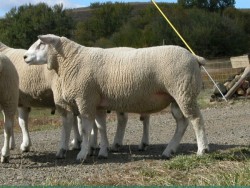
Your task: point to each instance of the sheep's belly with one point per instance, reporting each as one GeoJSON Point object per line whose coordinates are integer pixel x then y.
{"type": "Point", "coordinates": [150, 104]}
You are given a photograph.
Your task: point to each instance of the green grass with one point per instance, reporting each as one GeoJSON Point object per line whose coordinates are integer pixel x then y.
{"type": "Point", "coordinates": [224, 168]}
{"type": "Point", "coordinates": [39, 119]}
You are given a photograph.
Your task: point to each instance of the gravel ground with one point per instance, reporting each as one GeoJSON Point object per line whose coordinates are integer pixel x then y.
{"type": "Point", "coordinates": [227, 126]}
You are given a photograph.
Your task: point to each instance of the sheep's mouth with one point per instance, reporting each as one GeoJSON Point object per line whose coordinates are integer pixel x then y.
{"type": "Point", "coordinates": [28, 62]}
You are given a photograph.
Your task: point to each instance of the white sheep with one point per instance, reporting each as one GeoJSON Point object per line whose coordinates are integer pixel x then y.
{"type": "Point", "coordinates": [8, 102]}
{"type": "Point", "coordinates": [38, 93]}
{"type": "Point", "coordinates": [141, 81]}
{"type": "Point", "coordinates": [35, 91]}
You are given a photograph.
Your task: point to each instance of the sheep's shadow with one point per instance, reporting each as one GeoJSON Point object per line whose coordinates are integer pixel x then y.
{"type": "Point", "coordinates": [126, 154]}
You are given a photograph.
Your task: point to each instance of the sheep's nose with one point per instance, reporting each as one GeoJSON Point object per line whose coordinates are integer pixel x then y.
{"type": "Point", "coordinates": [25, 57]}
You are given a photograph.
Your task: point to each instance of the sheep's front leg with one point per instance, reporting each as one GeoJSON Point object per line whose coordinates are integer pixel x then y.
{"type": "Point", "coordinates": [12, 139]}
{"type": "Point", "coordinates": [93, 140]}
{"type": "Point", "coordinates": [67, 121]}
{"type": "Point", "coordinates": [77, 140]}
{"type": "Point", "coordinates": [101, 125]}
{"type": "Point", "coordinates": [145, 137]}
{"type": "Point", "coordinates": [122, 119]}
{"type": "Point", "coordinates": [23, 115]}
{"type": "Point", "coordinates": [8, 126]}
{"type": "Point", "coordinates": [85, 130]}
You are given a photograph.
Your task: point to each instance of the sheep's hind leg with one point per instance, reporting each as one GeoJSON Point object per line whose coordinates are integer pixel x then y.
{"type": "Point", "coordinates": [181, 127]}
{"type": "Point", "coordinates": [12, 139]}
{"type": "Point", "coordinates": [145, 137]}
{"type": "Point", "coordinates": [23, 115]}
{"type": "Point", "coordinates": [101, 125]}
{"type": "Point", "coordinates": [198, 125]}
{"type": "Point", "coordinates": [67, 121]}
{"type": "Point", "coordinates": [192, 112]}
{"type": "Point", "coordinates": [8, 126]}
{"type": "Point", "coordinates": [122, 119]}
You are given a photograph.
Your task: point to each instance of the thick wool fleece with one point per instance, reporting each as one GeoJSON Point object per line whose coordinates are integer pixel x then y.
{"type": "Point", "coordinates": [142, 80]}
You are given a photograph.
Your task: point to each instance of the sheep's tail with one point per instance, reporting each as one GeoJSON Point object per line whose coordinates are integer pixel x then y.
{"type": "Point", "coordinates": [200, 60]}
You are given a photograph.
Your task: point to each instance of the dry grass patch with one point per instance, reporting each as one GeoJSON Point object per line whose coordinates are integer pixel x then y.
{"type": "Point", "coordinates": [223, 168]}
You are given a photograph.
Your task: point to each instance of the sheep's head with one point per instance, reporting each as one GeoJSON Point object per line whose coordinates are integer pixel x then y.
{"type": "Point", "coordinates": [43, 51]}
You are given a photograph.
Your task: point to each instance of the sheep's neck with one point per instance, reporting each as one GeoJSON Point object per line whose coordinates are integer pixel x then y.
{"type": "Point", "coordinates": [69, 51]}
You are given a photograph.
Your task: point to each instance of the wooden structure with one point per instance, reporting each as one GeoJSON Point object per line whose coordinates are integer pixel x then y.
{"type": "Point", "coordinates": [240, 61]}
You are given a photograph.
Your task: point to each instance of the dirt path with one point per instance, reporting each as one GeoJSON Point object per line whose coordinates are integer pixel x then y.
{"type": "Point", "coordinates": [226, 126]}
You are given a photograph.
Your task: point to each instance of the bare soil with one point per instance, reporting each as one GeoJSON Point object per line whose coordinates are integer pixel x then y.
{"type": "Point", "coordinates": [227, 126]}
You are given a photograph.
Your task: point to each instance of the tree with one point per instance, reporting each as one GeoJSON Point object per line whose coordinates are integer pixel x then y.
{"type": "Point", "coordinates": [22, 25]}
{"type": "Point", "coordinates": [211, 5]}
{"type": "Point", "coordinates": [106, 19]}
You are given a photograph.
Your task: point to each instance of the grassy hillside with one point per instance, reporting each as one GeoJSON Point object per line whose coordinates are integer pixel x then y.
{"type": "Point", "coordinates": [83, 13]}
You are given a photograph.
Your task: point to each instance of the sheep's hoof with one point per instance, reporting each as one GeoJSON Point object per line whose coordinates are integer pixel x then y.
{"type": "Point", "coordinates": [143, 147]}
{"type": "Point", "coordinates": [168, 154]}
{"type": "Point", "coordinates": [115, 147]}
{"type": "Point", "coordinates": [81, 158]}
{"type": "Point", "coordinates": [79, 161]}
{"type": "Point", "coordinates": [24, 148]}
{"type": "Point", "coordinates": [166, 157]}
{"type": "Point", "coordinates": [5, 159]}
{"type": "Point", "coordinates": [102, 156]}
{"type": "Point", "coordinates": [61, 154]}
{"type": "Point", "coordinates": [202, 152]}
{"type": "Point", "coordinates": [103, 153]}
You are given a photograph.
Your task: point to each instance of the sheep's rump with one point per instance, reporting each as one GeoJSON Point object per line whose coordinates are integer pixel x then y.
{"type": "Point", "coordinates": [8, 85]}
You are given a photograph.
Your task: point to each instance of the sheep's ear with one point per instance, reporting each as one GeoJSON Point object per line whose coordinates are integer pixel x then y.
{"type": "Point", "coordinates": [49, 39]}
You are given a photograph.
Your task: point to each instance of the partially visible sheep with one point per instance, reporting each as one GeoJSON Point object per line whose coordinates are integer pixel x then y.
{"type": "Point", "coordinates": [142, 81]}
{"type": "Point", "coordinates": [122, 119]}
{"type": "Point", "coordinates": [36, 90]}
{"type": "Point", "coordinates": [8, 101]}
